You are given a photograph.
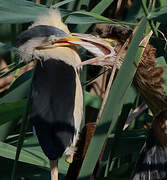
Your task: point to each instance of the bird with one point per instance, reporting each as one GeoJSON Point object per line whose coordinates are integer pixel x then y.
{"type": "Point", "coordinates": [149, 83]}
{"type": "Point", "coordinates": [148, 79]}
{"type": "Point", "coordinates": [56, 100]}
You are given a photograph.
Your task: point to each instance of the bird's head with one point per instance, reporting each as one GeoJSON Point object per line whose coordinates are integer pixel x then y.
{"type": "Point", "coordinates": [48, 37]}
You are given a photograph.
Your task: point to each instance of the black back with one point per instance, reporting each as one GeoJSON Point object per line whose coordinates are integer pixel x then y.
{"type": "Point", "coordinates": [52, 106]}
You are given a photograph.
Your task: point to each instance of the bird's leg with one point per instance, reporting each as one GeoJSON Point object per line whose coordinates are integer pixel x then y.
{"type": "Point", "coordinates": [54, 169]}
{"type": "Point", "coordinates": [70, 152]}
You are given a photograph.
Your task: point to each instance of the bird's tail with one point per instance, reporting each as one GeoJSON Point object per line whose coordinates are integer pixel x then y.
{"type": "Point", "coordinates": [54, 169]}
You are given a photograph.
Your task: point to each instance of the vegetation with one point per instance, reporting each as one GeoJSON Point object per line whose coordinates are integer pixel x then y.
{"type": "Point", "coordinates": [119, 141]}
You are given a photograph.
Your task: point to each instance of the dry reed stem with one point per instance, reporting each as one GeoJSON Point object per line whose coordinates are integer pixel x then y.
{"type": "Point", "coordinates": [6, 81]}
{"type": "Point", "coordinates": [111, 81]}
{"type": "Point", "coordinates": [103, 86]}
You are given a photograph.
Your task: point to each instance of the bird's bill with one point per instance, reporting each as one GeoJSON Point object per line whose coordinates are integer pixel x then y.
{"type": "Point", "coordinates": [59, 42]}
{"type": "Point", "coordinates": [67, 41]}
{"type": "Point", "coordinates": [102, 49]}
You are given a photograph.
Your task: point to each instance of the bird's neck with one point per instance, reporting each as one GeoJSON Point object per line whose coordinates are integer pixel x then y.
{"type": "Point", "coordinates": [68, 54]}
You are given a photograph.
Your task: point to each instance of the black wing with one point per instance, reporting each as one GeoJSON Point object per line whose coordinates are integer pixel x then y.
{"type": "Point", "coordinates": [53, 99]}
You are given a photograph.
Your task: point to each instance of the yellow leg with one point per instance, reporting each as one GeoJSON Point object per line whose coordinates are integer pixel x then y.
{"type": "Point", "coordinates": [54, 169]}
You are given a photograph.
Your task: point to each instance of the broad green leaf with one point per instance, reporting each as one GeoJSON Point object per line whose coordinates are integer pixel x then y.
{"type": "Point", "coordinates": [92, 100]}
{"type": "Point", "coordinates": [61, 3]}
{"type": "Point", "coordinates": [93, 15]}
{"type": "Point", "coordinates": [101, 6]}
{"type": "Point", "coordinates": [161, 3]}
{"type": "Point", "coordinates": [28, 156]}
{"type": "Point", "coordinates": [115, 138]}
{"type": "Point", "coordinates": [99, 9]}
{"type": "Point", "coordinates": [83, 17]}
{"type": "Point", "coordinates": [77, 5]}
{"type": "Point", "coordinates": [28, 11]}
{"type": "Point", "coordinates": [32, 144]}
{"type": "Point", "coordinates": [159, 14]}
{"type": "Point", "coordinates": [32, 154]}
{"type": "Point", "coordinates": [20, 11]}
{"type": "Point", "coordinates": [114, 103]}
{"type": "Point", "coordinates": [11, 111]}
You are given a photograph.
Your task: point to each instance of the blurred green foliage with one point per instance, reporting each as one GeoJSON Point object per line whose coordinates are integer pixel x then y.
{"type": "Point", "coordinates": [123, 146]}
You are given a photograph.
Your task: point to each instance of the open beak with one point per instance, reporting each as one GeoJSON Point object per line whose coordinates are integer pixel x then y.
{"type": "Point", "coordinates": [102, 49]}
